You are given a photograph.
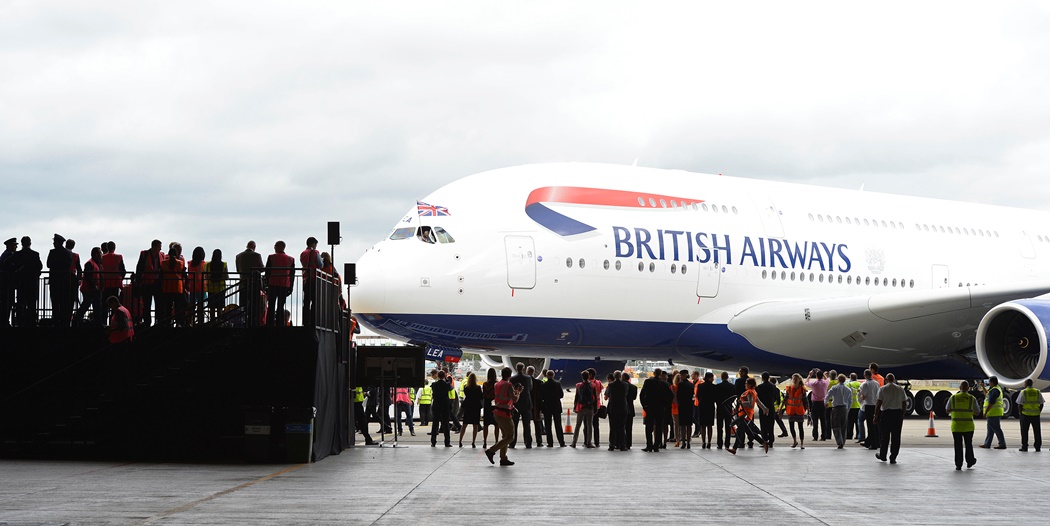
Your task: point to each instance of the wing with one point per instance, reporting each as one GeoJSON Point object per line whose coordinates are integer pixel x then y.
{"type": "Point", "coordinates": [892, 328]}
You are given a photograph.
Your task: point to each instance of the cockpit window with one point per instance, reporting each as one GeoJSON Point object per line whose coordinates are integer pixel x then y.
{"type": "Point", "coordinates": [443, 235]}
{"type": "Point", "coordinates": [426, 234]}
{"type": "Point", "coordinates": [402, 233]}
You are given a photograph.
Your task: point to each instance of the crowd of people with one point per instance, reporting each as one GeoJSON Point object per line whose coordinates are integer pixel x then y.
{"type": "Point", "coordinates": [679, 405]}
{"type": "Point", "coordinates": [180, 292]}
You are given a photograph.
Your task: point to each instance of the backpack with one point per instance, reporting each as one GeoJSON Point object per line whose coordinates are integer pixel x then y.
{"type": "Point", "coordinates": [584, 395]}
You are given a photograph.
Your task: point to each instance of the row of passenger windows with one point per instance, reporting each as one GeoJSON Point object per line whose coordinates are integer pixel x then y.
{"type": "Point", "coordinates": [774, 275]}
{"type": "Point", "coordinates": [897, 224]}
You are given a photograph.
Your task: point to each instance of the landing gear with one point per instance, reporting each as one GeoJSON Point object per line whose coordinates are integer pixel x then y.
{"type": "Point", "coordinates": [923, 402]}
{"type": "Point", "coordinates": [940, 400]}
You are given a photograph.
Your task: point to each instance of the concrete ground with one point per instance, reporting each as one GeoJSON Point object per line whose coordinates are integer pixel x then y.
{"type": "Point", "coordinates": [417, 484]}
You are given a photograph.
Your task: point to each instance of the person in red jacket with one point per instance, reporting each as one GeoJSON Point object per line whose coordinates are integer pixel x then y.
{"type": "Point", "coordinates": [121, 329]}
{"type": "Point", "coordinates": [310, 258]}
{"type": "Point", "coordinates": [279, 270]}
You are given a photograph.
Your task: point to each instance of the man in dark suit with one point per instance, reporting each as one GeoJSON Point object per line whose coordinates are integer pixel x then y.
{"type": "Point", "coordinates": [724, 390]}
{"type": "Point", "coordinates": [632, 395]}
{"type": "Point", "coordinates": [768, 394]}
{"type": "Point", "coordinates": [654, 396]}
{"type": "Point", "coordinates": [59, 261]}
{"type": "Point", "coordinates": [551, 394]}
{"type": "Point", "coordinates": [616, 401]}
{"type": "Point", "coordinates": [249, 265]}
{"type": "Point", "coordinates": [27, 267]}
{"type": "Point", "coordinates": [441, 409]}
{"type": "Point", "coordinates": [523, 407]}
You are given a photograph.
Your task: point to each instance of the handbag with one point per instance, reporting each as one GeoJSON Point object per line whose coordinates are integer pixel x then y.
{"type": "Point", "coordinates": [603, 412]}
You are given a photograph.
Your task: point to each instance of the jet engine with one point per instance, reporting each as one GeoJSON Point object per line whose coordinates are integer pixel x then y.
{"type": "Point", "coordinates": [1012, 343]}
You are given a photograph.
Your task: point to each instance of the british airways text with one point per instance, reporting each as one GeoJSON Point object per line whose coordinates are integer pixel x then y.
{"type": "Point", "coordinates": [704, 247]}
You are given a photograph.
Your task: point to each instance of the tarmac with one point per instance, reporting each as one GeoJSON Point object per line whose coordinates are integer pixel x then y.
{"type": "Point", "coordinates": [417, 484]}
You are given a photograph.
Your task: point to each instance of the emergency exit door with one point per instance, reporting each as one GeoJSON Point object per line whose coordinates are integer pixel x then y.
{"type": "Point", "coordinates": [521, 262]}
{"type": "Point", "coordinates": [709, 280]}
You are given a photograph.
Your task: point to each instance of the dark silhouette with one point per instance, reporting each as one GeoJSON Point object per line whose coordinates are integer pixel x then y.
{"type": "Point", "coordinates": [59, 261]}
{"type": "Point", "coordinates": [27, 268]}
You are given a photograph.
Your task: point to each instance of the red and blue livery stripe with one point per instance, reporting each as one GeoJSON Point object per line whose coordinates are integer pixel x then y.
{"type": "Point", "coordinates": [536, 205]}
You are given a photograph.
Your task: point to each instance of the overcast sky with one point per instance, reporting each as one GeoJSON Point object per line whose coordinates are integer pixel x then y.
{"type": "Point", "coordinates": [212, 123]}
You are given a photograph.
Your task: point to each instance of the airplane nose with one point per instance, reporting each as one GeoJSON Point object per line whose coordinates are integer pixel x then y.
{"type": "Point", "coordinates": [369, 296]}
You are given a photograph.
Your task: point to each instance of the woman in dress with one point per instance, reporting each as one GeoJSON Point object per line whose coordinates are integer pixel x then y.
{"type": "Point", "coordinates": [684, 393]}
{"type": "Point", "coordinates": [471, 405]}
{"type": "Point", "coordinates": [488, 391]}
{"type": "Point", "coordinates": [215, 283]}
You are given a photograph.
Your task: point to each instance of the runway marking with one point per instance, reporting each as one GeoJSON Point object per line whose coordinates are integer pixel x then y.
{"type": "Point", "coordinates": [414, 488]}
{"type": "Point", "coordinates": [190, 505]}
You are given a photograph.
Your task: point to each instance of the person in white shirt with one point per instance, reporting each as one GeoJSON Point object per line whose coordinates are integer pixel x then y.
{"type": "Point", "coordinates": [840, 396]}
{"type": "Point", "coordinates": [869, 395]}
{"type": "Point", "coordinates": [889, 416]}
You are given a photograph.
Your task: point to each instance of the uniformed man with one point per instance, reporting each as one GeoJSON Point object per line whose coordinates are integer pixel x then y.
{"type": "Point", "coordinates": [993, 414]}
{"type": "Point", "coordinates": [1030, 400]}
{"type": "Point", "coordinates": [59, 261]}
{"type": "Point", "coordinates": [27, 267]}
{"type": "Point", "coordinates": [7, 281]}
{"type": "Point", "coordinates": [962, 406]}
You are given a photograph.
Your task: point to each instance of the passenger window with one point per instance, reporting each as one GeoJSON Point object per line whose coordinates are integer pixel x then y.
{"type": "Point", "coordinates": [402, 233]}
{"type": "Point", "coordinates": [617, 265]}
{"type": "Point", "coordinates": [568, 262]}
{"type": "Point", "coordinates": [683, 269]}
{"type": "Point", "coordinates": [674, 268]}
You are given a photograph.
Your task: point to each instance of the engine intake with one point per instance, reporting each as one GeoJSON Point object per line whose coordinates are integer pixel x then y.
{"type": "Point", "coordinates": [1012, 343]}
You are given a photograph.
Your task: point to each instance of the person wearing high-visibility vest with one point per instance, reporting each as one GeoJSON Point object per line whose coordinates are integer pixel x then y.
{"type": "Point", "coordinates": [795, 408]}
{"type": "Point", "coordinates": [424, 397]}
{"type": "Point", "coordinates": [962, 406]}
{"type": "Point", "coordinates": [853, 418]}
{"type": "Point", "coordinates": [1030, 400]}
{"type": "Point", "coordinates": [993, 414]}
{"type": "Point", "coordinates": [360, 420]}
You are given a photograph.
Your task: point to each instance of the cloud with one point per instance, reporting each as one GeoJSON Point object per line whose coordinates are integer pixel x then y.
{"type": "Point", "coordinates": [215, 123]}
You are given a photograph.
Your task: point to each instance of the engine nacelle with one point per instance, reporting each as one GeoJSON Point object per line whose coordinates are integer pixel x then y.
{"type": "Point", "coordinates": [1012, 343]}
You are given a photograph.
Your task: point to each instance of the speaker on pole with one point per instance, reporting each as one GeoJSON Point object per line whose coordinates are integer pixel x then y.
{"type": "Point", "coordinates": [333, 232]}
{"type": "Point", "coordinates": [350, 273]}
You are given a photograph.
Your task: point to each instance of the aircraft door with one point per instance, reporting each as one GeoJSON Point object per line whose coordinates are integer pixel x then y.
{"type": "Point", "coordinates": [521, 262]}
{"type": "Point", "coordinates": [770, 215]}
{"type": "Point", "coordinates": [940, 277]}
{"type": "Point", "coordinates": [710, 276]}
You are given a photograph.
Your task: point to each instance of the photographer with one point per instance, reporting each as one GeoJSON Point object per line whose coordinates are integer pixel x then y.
{"type": "Point", "coordinates": [818, 384]}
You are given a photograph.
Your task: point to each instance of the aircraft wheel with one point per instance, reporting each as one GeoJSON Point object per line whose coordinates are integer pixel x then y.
{"type": "Point", "coordinates": [939, 401]}
{"type": "Point", "coordinates": [909, 403]}
{"type": "Point", "coordinates": [923, 403]}
{"type": "Point", "coordinates": [1009, 407]}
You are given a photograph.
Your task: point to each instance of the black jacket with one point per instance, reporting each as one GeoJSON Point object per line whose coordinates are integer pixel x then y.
{"type": "Point", "coordinates": [551, 394]}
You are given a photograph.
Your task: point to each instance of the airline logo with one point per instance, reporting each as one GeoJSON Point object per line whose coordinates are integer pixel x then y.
{"type": "Point", "coordinates": [536, 205]}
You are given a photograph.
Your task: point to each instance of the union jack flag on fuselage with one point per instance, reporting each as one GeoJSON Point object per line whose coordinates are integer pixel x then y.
{"type": "Point", "coordinates": [425, 210]}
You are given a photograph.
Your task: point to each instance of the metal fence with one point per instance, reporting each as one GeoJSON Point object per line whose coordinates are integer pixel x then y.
{"type": "Point", "coordinates": [251, 299]}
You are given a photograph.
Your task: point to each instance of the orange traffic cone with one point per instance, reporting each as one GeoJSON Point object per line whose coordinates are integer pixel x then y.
{"type": "Point", "coordinates": [932, 431]}
{"type": "Point", "coordinates": [568, 420]}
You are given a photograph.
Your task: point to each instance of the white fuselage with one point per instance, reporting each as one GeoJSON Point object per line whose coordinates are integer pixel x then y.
{"type": "Point", "coordinates": [584, 260]}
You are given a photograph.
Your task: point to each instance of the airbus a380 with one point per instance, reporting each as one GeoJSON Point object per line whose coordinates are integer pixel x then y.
{"type": "Point", "coordinates": [583, 261]}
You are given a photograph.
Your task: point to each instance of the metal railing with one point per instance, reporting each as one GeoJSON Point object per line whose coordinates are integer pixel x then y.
{"type": "Point", "coordinates": [249, 299]}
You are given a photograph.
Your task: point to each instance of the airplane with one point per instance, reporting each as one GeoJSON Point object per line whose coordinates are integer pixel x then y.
{"type": "Point", "coordinates": [602, 262]}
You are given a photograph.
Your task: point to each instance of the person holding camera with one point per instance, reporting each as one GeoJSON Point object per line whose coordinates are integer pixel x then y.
{"type": "Point", "coordinates": [818, 384]}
